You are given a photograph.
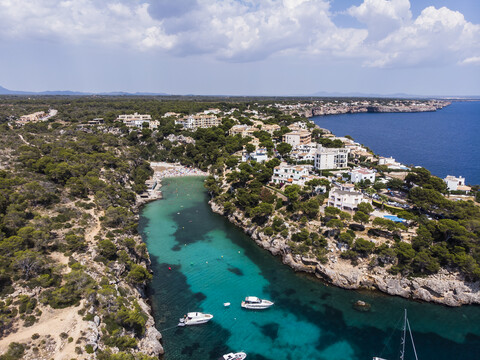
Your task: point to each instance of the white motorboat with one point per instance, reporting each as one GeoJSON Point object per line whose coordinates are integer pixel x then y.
{"type": "Point", "coordinates": [234, 356]}
{"type": "Point", "coordinates": [195, 318]}
{"type": "Point", "coordinates": [255, 303]}
{"type": "Point", "coordinates": [227, 304]}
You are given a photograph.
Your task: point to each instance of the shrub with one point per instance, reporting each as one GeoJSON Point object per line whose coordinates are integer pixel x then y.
{"type": "Point", "coordinates": [134, 319]}
{"type": "Point", "coordinates": [107, 249]}
{"type": "Point", "coordinates": [15, 351]}
{"type": "Point", "coordinates": [138, 275]}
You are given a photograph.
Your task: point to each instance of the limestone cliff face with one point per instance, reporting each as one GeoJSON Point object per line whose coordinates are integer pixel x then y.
{"type": "Point", "coordinates": [389, 108]}
{"type": "Point", "coordinates": [442, 288]}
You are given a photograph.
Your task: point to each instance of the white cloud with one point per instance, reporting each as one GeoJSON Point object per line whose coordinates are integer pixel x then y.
{"type": "Point", "coordinates": [474, 60]}
{"type": "Point", "coordinates": [81, 21]}
{"type": "Point", "coordinates": [250, 30]}
{"type": "Point", "coordinates": [436, 36]}
{"type": "Point", "coordinates": [382, 16]}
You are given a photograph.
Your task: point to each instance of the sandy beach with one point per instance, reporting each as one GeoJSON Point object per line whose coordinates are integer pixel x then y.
{"type": "Point", "coordinates": [166, 170]}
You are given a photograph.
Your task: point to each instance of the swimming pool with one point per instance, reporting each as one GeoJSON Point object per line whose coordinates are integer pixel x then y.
{"type": "Point", "coordinates": [394, 218]}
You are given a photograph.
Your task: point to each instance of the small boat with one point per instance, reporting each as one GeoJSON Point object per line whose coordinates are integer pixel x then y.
{"type": "Point", "coordinates": [195, 318]}
{"type": "Point", "coordinates": [227, 304]}
{"type": "Point", "coordinates": [234, 356]}
{"type": "Point", "coordinates": [255, 303]}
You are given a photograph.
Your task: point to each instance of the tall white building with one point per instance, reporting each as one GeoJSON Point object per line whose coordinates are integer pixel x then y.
{"type": "Point", "coordinates": [331, 158]}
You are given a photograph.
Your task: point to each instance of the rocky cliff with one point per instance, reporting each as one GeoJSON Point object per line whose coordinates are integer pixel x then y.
{"type": "Point", "coordinates": [374, 108]}
{"type": "Point", "coordinates": [443, 288]}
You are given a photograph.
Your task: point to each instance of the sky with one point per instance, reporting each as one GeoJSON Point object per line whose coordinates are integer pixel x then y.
{"type": "Point", "coordinates": [242, 47]}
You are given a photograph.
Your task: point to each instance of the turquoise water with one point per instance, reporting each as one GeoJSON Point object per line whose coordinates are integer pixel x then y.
{"type": "Point", "coordinates": [213, 262]}
{"type": "Point", "coordinates": [445, 142]}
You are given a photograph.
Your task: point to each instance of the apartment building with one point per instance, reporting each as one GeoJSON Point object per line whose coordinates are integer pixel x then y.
{"type": "Point", "coordinates": [331, 158]}
{"type": "Point", "coordinates": [296, 138]}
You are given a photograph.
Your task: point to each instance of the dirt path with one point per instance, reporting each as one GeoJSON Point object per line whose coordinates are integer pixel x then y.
{"type": "Point", "coordinates": [95, 229]}
{"type": "Point", "coordinates": [53, 322]}
{"type": "Point", "coordinates": [25, 141]}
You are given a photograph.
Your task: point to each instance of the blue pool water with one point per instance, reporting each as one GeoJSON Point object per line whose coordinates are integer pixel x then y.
{"type": "Point", "coordinates": [213, 262]}
{"type": "Point", "coordinates": [446, 142]}
{"type": "Point", "coordinates": [393, 218]}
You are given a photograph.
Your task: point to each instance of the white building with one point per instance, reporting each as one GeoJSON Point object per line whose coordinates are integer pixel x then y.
{"type": "Point", "coordinates": [199, 121]}
{"type": "Point", "coordinates": [289, 174]}
{"type": "Point", "coordinates": [391, 163]}
{"type": "Point", "coordinates": [331, 158]}
{"type": "Point", "coordinates": [346, 198]}
{"type": "Point", "coordinates": [138, 120]}
{"type": "Point", "coordinates": [304, 152]}
{"type": "Point", "coordinates": [260, 155]}
{"type": "Point", "coordinates": [134, 117]}
{"type": "Point", "coordinates": [243, 130]}
{"type": "Point", "coordinates": [296, 138]}
{"type": "Point", "coordinates": [153, 124]}
{"type": "Point", "coordinates": [362, 174]}
{"type": "Point", "coordinates": [456, 183]}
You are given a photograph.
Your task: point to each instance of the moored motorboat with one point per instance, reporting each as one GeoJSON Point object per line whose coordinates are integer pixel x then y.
{"type": "Point", "coordinates": [226, 304]}
{"type": "Point", "coordinates": [195, 318]}
{"type": "Point", "coordinates": [234, 356]}
{"type": "Point", "coordinates": [255, 303]}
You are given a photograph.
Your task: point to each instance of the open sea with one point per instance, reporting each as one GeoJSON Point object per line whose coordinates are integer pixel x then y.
{"type": "Point", "coordinates": [213, 262]}
{"type": "Point", "coordinates": [446, 142]}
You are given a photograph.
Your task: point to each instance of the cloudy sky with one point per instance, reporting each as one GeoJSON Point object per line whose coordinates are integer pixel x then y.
{"type": "Point", "coordinates": [242, 47]}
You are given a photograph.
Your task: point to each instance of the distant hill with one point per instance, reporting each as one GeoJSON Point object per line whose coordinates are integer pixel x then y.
{"type": "Point", "coordinates": [393, 96]}
{"type": "Point", "coordinates": [325, 94]}
{"type": "Point", "coordinates": [4, 91]}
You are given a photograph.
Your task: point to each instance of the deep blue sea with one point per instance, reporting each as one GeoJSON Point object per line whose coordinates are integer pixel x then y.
{"type": "Point", "coordinates": [213, 262]}
{"type": "Point", "coordinates": [446, 142]}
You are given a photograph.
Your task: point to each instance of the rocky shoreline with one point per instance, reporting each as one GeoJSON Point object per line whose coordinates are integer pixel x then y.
{"type": "Point", "coordinates": [444, 288]}
{"type": "Point", "coordinates": [150, 344]}
{"type": "Point", "coordinates": [429, 106]}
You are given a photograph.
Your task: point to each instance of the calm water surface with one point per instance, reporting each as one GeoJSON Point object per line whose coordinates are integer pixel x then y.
{"type": "Point", "coordinates": [446, 142]}
{"type": "Point", "coordinates": [214, 262]}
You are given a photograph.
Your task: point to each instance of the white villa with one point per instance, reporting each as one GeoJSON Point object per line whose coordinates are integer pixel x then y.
{"type": "Point", "coordinates": [362, 174]}
{"type": "Point", "coordinates": [391, 163]}
{"type": "Point", "coordinates": [304, 152]}
{"type": "Point", "coordinates": [331, 158]}
{"type": "Point", "coordinates": [138, 120]}
{"type": "Point", "coordinates": [456, 183]}
{"type": "Point", "coordinates": [346, 198]}
{"type": "Point", "coordinates": [243, 130]}
{"type": "Point", "coordinates": [260, 155]}
{"type": "Point", "coordinates": [289, 174]}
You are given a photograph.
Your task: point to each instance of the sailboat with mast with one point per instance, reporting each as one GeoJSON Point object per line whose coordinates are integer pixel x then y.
{"type": "Point", "coordinates": [404, 339]}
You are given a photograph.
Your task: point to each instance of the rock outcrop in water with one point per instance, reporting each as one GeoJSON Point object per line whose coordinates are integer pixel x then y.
{"type": "Point", "coordinates": [442, 288]}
